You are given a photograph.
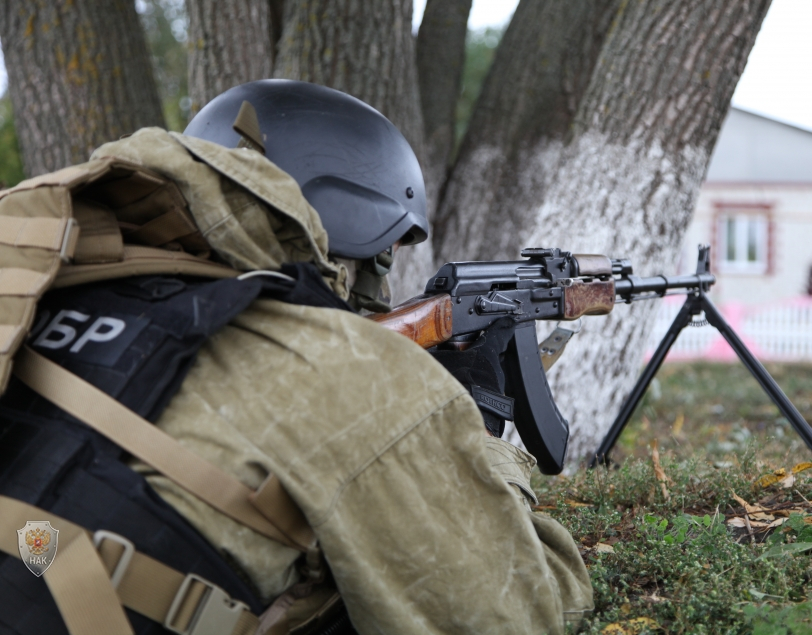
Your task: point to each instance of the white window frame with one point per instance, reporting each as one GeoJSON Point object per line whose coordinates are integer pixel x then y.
{"type": "Point", "coordinates": [745, 223]}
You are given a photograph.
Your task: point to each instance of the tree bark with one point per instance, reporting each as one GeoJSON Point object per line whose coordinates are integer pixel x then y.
{"type": "Point", "coordinates": [364, 48]}
{"type": "Point", "coordinates": [79, 75]}
{"type": "Point", "coordinates": [440, 60]}
{"type": "Point", "coordinates": [624, 182]}
{"type": "Point", "coordinates": [230, 42]}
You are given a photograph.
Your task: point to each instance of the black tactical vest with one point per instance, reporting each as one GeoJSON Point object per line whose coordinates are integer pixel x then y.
{"type": "Point", "coordinates": [135, 339]}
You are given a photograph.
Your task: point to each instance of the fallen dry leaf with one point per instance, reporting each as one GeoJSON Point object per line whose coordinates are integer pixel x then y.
{"type": "Point", "coordinates": [602, 547]}
{"type": "Point", "coordinates": [653, 598]}
{"type": "Point", "coordinates": [659, 473]}
{"type": "Point", "coordinates": [631, 627]}
{"type": "Point", "coordinates": [750, 509]}
{"type": "Point", "coordinates": [572, 503]}
{"type": "Point", "coordinates": [788, 511]}
{"type": "Point", "coordinates": [757, 524]}
{"type": "Point", "coordinates": [640, 624]}
{"type": "Point", "coordinates": [676, 429]}
{"type": "Point", "coordinates": [767, 480]}
{"type": "Point", "coordinates": [771, 479]}
{"type": "Point", "coordinates": [781, 476]}
{"type": "Point", "coordinates": [788, 481]}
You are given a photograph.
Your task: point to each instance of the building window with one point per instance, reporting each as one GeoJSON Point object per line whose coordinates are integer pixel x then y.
{"type": "Point", "coordinates": [743, 242]}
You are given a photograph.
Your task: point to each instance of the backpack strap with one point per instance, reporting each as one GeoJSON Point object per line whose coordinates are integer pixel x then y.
{"type": "Point", "coordinates": [78, 581]}
{"type": "Point", "coordinates": [95, 574]}
{"type": "Point", "coordinates": [270, 511]}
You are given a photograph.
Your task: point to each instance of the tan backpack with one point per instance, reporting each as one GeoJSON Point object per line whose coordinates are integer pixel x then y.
{"type": "Point", "coordinates": [120, 216]}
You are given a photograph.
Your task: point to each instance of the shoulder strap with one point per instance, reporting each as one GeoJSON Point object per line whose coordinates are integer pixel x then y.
{"type": "Point", "coordinates": [270, 511]}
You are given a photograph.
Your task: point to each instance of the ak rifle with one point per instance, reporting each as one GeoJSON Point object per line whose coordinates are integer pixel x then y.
{"type": "Point", "coordinates": [464, 298]}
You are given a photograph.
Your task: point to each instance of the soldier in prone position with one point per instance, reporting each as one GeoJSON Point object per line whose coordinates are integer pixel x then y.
{"type": "Point", "coordinates": [380, 503]}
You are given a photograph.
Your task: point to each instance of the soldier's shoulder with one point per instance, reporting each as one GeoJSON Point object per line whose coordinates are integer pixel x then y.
{"type": "Point", "coordinates": [332, 331]}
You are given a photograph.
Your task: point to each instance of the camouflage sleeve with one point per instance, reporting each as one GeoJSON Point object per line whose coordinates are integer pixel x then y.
{"type": "Point", "coordinates": [561, 553]}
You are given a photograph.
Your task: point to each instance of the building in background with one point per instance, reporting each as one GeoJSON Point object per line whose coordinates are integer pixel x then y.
{"type": "Point", "coordinates": [755, 210]}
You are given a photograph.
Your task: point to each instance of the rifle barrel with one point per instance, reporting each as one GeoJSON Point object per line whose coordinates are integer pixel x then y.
{"type": "Point", "coordinates": [629, 286]}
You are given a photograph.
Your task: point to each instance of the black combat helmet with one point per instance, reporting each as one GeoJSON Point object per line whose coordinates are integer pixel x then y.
{"type": "Point", "coordinates": [354, 167]}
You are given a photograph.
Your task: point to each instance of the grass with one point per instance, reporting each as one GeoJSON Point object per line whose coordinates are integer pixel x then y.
{"type": "Point", "coordinates": [676, 550]}
{"type": "Point", "coordinates": [713, 410]}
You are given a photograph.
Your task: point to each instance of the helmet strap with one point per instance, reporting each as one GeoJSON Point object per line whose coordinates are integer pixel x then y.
{"type": "Point", "coordinates": [370, 276]}
{"type": "Point", "coordinates": [247, 126]}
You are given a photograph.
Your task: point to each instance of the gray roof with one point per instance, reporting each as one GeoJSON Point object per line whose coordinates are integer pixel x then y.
{"type": "Point", "coordinates": [752, 148]}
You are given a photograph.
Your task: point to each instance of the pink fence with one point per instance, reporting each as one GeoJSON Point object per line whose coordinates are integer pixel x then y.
{"type": "Point", "coordinates": [773, 332]}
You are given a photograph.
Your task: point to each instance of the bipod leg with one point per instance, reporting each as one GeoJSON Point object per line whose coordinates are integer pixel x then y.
{"type": "Point", "coordinates": [758, 371]}
{"type": "Point", "coordinates": [691, 307]}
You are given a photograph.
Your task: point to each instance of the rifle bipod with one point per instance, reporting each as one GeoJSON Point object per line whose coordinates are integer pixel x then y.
{"type": "Point", "coordinates": [695, 303]}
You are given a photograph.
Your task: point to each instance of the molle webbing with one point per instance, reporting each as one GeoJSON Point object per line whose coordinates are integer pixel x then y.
{"type": "Point", "coordinates": [36, 232]}
{"type": "Point", "coordinates": [104, 216]}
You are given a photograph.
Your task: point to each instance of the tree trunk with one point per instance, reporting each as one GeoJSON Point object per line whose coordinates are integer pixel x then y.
{"type": "Point", "coordinates": [624, 180]}
{"type": "Point", "coordinates": [79, 75]}
{"type": "Point", "coordinates": [230, 42]}
{"type": "Point", "coordinates": [440, 60]}
{"type": "Point", "coordinates": [362, 47]}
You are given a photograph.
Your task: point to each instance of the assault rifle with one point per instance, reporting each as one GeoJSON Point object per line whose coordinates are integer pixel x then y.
{"type": "Point", "coordinates": [464, 298]}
